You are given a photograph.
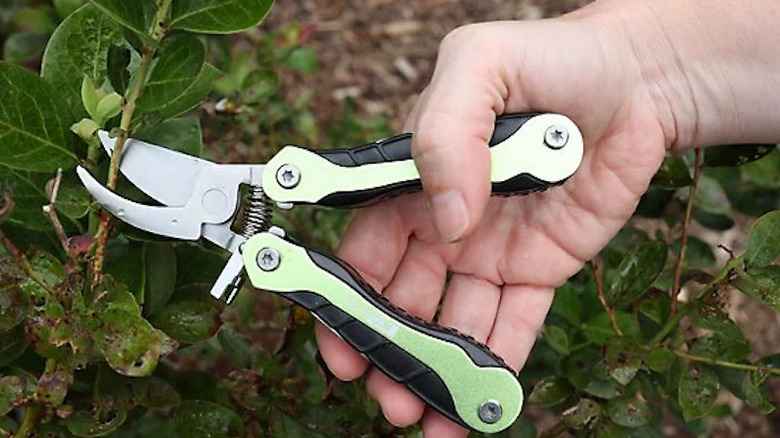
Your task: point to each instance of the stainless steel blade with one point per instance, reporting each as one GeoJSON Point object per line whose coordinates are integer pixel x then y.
{"type": "Point", "coordinates": [165, 175]}
{"type": "Point", "coordinates": [176, 222]}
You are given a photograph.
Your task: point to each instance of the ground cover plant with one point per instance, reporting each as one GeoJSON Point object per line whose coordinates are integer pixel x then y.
{"type": "Point", "coordinates": [106, 330]}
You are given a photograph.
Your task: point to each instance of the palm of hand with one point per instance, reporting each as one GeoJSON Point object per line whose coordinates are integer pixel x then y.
{"type": "Point", "coordinates": [499, 280]}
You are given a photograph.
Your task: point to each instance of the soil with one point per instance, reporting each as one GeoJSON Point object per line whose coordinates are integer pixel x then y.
{"type": "Point", "coordinates": [382, 53]}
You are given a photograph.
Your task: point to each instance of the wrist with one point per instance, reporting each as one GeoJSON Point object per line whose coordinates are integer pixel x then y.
{"type": "Point", "coordinates": [710, 67]}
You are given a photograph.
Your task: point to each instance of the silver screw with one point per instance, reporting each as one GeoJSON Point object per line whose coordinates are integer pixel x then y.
{"type": "Point", "coordinates": [490, 412]}
{"type": "Point", "coordinates": [268, 259]}
{"type": "Point", "coordinates": [556, 136]}
{"type": "Point", "coordinates": [288, 176]}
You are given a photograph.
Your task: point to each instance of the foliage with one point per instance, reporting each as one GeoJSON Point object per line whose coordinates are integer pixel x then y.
{"type": "Point", "coordinates": [105, 329]}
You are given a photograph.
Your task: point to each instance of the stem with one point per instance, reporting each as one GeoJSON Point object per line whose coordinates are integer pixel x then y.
{"type": "Point", "coordinates": [725, 363]}
{"type": "Point", "coordinates": [51, 212]}
{"type": "Point", "coordinates": [30, 419]}
{"type": "Point", "coordinates": [33, 412]}
{"type": "Point", "coordinates": [602, 297]}
{"type": "Point", "coordinates": [128, 111]}
{"type": "Point", "coordinates": [697, 169]}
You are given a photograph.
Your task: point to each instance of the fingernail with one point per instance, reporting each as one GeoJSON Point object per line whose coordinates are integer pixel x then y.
{"type": "Point", "coordinates": [450, 217]}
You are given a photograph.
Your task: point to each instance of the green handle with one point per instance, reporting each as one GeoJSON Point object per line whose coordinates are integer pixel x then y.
{"type": "Point", "coordinates": [453, 373]}
{"type": "Point", "coordinates": [529, 152]}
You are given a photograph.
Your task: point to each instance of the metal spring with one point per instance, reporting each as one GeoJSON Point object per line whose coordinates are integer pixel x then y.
{"type": "Point", "coordinates": [257, 212]}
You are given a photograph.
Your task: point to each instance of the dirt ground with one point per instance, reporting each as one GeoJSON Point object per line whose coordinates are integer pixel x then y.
{"type": "Point", "coordinates": [382, 53]}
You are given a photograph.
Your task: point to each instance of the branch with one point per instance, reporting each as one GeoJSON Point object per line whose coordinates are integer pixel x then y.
{"type": "Point", "coordinates": [697, 169]}
{"type": "Point", "coordinates": [51, 212]}
{"type": "Point", "coordinates": [602, 297]}
{"type": "Point", "coordinates": [725, 363]}
{"type": "Point", "coordinates": [128, 111]}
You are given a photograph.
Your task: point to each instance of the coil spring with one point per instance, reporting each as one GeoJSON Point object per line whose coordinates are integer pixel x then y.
{"type": "Point", "coordinates": [257, 212]}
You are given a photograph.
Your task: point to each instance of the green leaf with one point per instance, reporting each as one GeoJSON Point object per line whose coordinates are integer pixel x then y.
{"type": "Point", "coordinates": [673, 174]}
{"type": "Point", "coordinates": [583, 414]}
{"type": "Point", "coordinates": [21, 47]}
{"type": "Point", "coordinates": [698, 253]}
{"type": "Point", "coordinates": [14, 303]}
{"type": "Point", "coordinates": [303, 59]}
{"type": "Point", "coordinates": [34, 123]}
{"type": "Point", "coordinates": [182, 135]}
{"type": "Point", "coordinates": [12, 345]}
{"type": "Point", "coordinates": [125, 263]}
{"type": "Point", "coordinates": [725, 340]}
{"type": "Point", "coordinates": [628, 412]}
{"type": "Point", "coordinates": [117, 72]}
{"type": "Point", "coordinates": [198, 265]}
{"type": "Point", "coordinates": [606, 389]}
{"type": "Point", "coordinates": [567, 303]}
{"type": "Point", "coordinates": [638, 271]}
{"type": "Point", "coordinates": [599, 328]}
{"type": "Point", "coordinates": [557, 339]}
{"type": "Point", "coordinates": [130, 344]}
{"type": "Point", "coordinates": [748, 386]}
{"type": "Point", "coordinates": [189, 321]}
{"type": "Point", "coordinates": [719, 222]}
{"type": "Point", "coordinates": [84, 424]}
{"type": "Point", "coordinates": [190, 98]}
{"type": "Point", "coordinates": [761, 283]}
{"type": "Point", "coordinates": [735, 155]}
{"type": "Point", "coordinates": [236, 346]}
{"type": "Point", "coordinates": [111, 295]}
{"type": "Point", "coordinates": [113, 392]}
{"type": "Point", "coordinates": [160, 262]}
{"type": "Point", "coordinates": [764, 172]}
{"type": "Point", "coordinates": [579, 365]}
{"type": "Point", "coordinates": [764, 240]}
{"type": "Point", "coordinates": [12, 393]}
{"type": "Point", "coordinates": [108, 107]}
{"type": "Point", "coordinates": [623, 359]}
{"type": "Point", "coordinates": [73, 200]}
{"type": "Point", "coordinates": [180, 59]}
{"type": "Point", "coordinates": [655, 305]}
{"type": "Point", "coordinates": [135, 15]}
{"type": "Point", "coordinates": [156, 393]}
{"type": "Point", "coordinates": [28, 193]}
{"type": "Point", "coordinates": [551, 391]}
{"type": "Point", "coordinates": [660, 359]}
{"type": "Point", "coordinates": [710, 196]}
{"type": "Point", "coordinates": [218, 16]}
{"type": "Point", "coordinates": [697, 391]}
{"type": "Point", "coordinates": [78, 48]}
{"type": "Point", "coordinates": [259, 85]}
{"type": "Point", "coordinates": [202, 419]}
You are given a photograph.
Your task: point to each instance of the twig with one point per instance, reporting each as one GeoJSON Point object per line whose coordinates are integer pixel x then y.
{"type": "Point", "coordinates": [602, 297]}
{"type": "Point", "coordinates": [725, 363]}
{"type": "Point", "coordinates": [51, 212]}
{"type": "Point", "coordinates": [128, 110]}
{"type": "Point", "coordinates": [697, 169]}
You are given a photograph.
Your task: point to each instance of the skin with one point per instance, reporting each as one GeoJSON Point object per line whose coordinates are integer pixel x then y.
{"type": "Point", "coordinates": [638, 77]}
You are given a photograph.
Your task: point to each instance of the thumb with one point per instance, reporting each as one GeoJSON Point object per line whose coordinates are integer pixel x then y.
{"type": "Point", "coordinates": [452, 125]}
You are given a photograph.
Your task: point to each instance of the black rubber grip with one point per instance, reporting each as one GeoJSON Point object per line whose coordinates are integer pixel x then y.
{"type": "Point", "coordinates": [391, 359]}
{"type": "Point", "coordinates": [399, 148]}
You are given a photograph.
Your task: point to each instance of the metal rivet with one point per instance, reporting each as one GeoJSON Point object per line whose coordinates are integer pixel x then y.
{"type": "Point", "coordinates": [268, 259]}
{"type": "Point", "coordinates": [556, 136]}
{"type": "Point", "coordinates": [288, 176]}
{"type": "Point", "coordinates": [490, 411]}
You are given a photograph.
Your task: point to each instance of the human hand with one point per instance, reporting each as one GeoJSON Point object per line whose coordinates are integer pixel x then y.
{"type": "Point", "coordinates": [506, 255]}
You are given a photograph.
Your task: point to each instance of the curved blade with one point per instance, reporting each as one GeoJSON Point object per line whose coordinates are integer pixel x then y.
{"type": "Point", "coordinates": [176, 222]}
{"type": "Point", "coordinates": [165, 175]}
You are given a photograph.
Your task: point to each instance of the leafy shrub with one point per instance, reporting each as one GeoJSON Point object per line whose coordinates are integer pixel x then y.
{"type": "Point", "coordinates": [105, 329]}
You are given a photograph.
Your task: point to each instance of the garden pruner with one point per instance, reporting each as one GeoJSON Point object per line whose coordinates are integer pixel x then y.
{"type": "Point", "coordinates": [452, 372]}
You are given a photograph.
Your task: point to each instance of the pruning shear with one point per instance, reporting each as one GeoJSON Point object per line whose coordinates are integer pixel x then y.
{"type": "Point", "coordinates": [458, 376]}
